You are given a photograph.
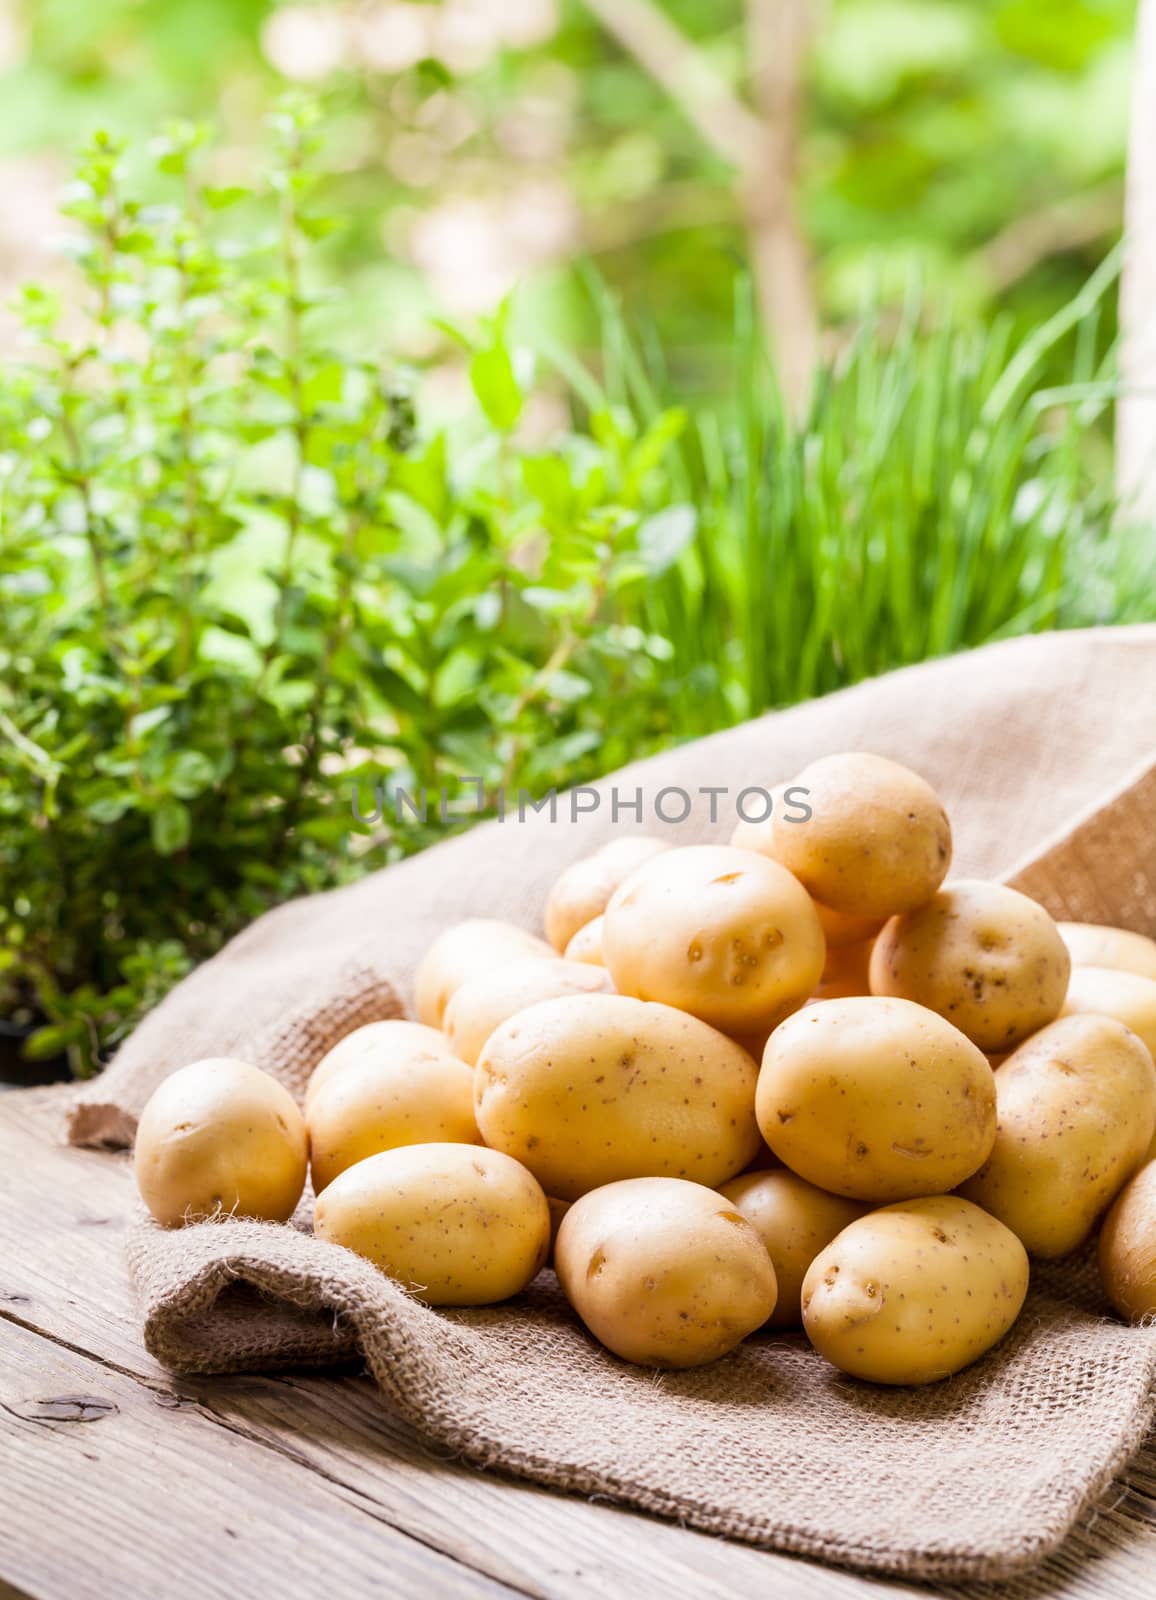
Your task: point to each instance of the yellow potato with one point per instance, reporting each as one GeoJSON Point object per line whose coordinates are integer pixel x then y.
{"type": "Point", "coordinates": [1077, 1110]}
{"type": "Point", "coordinates": [757, 836]}
{"type": "Point", "coordinates": [878, 841]}
{"type": "Point", "coordinates": [845, 972]}
{"type": "Point", "coordinates": [725, 934]}
{"type": "Point", "coordinates": [795, 1221]}
{"type": "Point", "coordinates": [984, 956]}
{"type": "Point", "coordinates": [406, 1043]}
{"type": "Point", "coordinates": [838, 928]}
{"type": "Point", "coordinates": [914, 1292]}
{"type": "Point", "coordinates": [465, 951]}
{"type": "Point", "coordinates": [1127, 1249]}
{"type": "Point", "coordinates": [586, 945]}
{"type": "Point", "coordinates": [1108, 992]}
{"type": "Point", "coordinates": [455, 1224]}
{"type": "Point", "coordinates": [592, 1088]}
{"type": "Point", "coordinates": [378, 1105]}
{"type": "Point", "coordinates": [841, 930]}
{"type": "Point", "coordinates": [558, 1209]}
{"type": "Point", "coordinates": [876, 1099]}
{"type": "Point", "coordinates": [581, 893]}
{"type": "Point", "coordinates": [217, 1138]}
{"type": "Point", "coordinates": [481, 1004]}
{"type": "Point", "coordinates": [1092, 946]}
{"type": "Point", "coordinates": [663, 1272]}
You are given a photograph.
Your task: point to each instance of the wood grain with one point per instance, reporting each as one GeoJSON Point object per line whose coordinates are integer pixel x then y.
{"type": "Point", "coordinates": [130, 1483]}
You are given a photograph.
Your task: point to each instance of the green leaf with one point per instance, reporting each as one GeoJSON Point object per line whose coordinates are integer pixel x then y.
{"type": "Point", "coordinates": [496, 386]}
{"type": "Point", "coordinates": [221, 196]}
{"type": "Point", "coordinates": [324, 387]}
{"type": "Point", "coordinates": [190, 773]}
{"type": "Point", "coordinates": [171, 826]}
{"type": "Point", "coordinates": [145, 721]}
{"type": "Point", "coordinates": [111, 807]}
{"type": "Point", "coordinates": [52, 1040]}
{"type": "Point", "coordinates": [663, 537]}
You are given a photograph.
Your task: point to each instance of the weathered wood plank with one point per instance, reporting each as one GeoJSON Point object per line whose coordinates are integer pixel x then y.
{"type": "Point", "coordinates": [66, 1279]}
{"type": "Point", "coordinates": [110, 1492]}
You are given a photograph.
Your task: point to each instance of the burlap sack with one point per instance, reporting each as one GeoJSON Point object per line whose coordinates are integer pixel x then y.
{"type": "Point", "coordinates": [974, 1478]}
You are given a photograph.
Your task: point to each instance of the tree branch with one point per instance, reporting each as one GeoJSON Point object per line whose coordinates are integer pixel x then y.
{"type": "Point", "coordinates": [780, 33]}
{"type": "Point", "coordinates": [1067, 224]}
{"type": "Point", "coordinates": [730, 129]}
{"type": "Point", "coordinates": [1136, 411]}
{"type": "Point", "coordinates": [761, 147]}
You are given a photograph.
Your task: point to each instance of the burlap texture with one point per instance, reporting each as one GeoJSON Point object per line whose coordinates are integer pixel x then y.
{"type": "Point", "coordinates": [974, 1478]}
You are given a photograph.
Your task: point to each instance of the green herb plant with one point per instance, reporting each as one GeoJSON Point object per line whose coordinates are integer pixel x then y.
{"type": "Point", "coordinates": [235, 583]}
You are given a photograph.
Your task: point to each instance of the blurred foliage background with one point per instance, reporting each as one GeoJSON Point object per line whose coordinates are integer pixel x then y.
{"type": "Point", "coordinates": [979, 143]}
{"type": "Point", "coordinates": [296, 492]}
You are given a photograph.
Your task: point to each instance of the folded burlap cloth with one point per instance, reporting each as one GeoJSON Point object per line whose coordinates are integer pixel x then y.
{"type": "Point", "coordinates": [1045, 752]}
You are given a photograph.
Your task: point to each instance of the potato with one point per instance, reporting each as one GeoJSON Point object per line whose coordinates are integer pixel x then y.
{"type": "Point", "coordinates": [984, 956]}
{"type": "Point", "coordinates": [220, 1137]}
{"type": "Point", "coordinates": [724, 934]}
{"type": "Point", "coordinates": [379, 1104]}
{"type": "Point", "coordinates": [1108, 992]}
{"type": "Point", "coordinates": [581, 893]}
{"type": "Point", "coordinates": [841, 930]}
{"type": "Point", "coordinates": [1077, 1110]}
{"type": "Point", "coordinates": [845, 972]}
{"type": "Point", "coordinates": [795, 1221]}
{"type": "Point", "coordinates": [1092, 946]}
{"type": "Point", "coordinates": [878, 841]}
{"type": "Point", "coordinates": [586, 945]}
{"type": "Point", "coordinates": [464, 951]}
{"type": "Point", "coordinates": [481, 1004]}
{"type": "Point", "coordinates": [591, 1088]}
{"type": "Point", "coordinates": [838, 928]}
{"type": "Point", "coordinates": [914, 1292]}
{"type": "Point", "coordinates": [455, 1224]}
{"type": "Point", "coordinates": [1127, 1251]}
{"type": "Point", "coordinates": [757, 836]}
{"type": "Point", "coordinates": [876, 1099]}
{"type": "Point", "coordinates": [664, 1272]}
{"type": "Point", "coordinates": [407, 1043]}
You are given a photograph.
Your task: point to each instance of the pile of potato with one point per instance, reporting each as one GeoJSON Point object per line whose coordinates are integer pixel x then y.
{"type": "Point", "coordinates": [793, 1081]}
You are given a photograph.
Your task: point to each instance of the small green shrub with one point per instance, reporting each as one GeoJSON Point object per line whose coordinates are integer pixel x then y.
{"type": "Point", "coordinates": [235, 582]}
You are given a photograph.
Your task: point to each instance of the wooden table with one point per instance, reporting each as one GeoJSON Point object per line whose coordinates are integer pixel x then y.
{"type": "Point", "coordinates": [117, 1480]}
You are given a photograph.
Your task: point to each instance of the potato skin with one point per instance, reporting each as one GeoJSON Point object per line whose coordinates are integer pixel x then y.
{"type": "Point", "coordinates": [1110, 992]}
{"type": "Point", "coordinates": [581, 893]}
{"type": "Point", "coordinates": [220, 1137]}
{"type": "Point", "coordinates": [477, 945]}
{"type": "Point", "coordinates": [914, 1292]}
{"type": "Point", "coordinates": [1127, 1249]}
{"type": "Point", "coordinates": [878, 841]}
{"type": "Point", "coordinates": [845, 972]}
{"type": "Point", "coordinates": [725, 934]}
{"type": "Point", "coordinates": [377, 1105]}
{"type": "Point", "coordinates": [455, 1224]}
{"type": "Point", "coordinates": [838, 928]}
{"type": "Point", "coordinates": [1091, 945]}
{"type": "Point", "coordinates": [588, 1089]}
{"type": "Point", "coordinates": [485, 1002]}
{"type": "Point", "coordinates": [1077, 1110]}
{"type": "Point", "coordinates": [586, 945]}
{"type": "Point", "coordinates": [406, 1043]}
{"type": "Point", "coordinates": [984, 956]}
{"type": "Point", "coordinates": [663, 1272]}
{"type": "Point", "coordinates": [876, 1099]}
{"type": "Point", "coordinates": [795, 1221]}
